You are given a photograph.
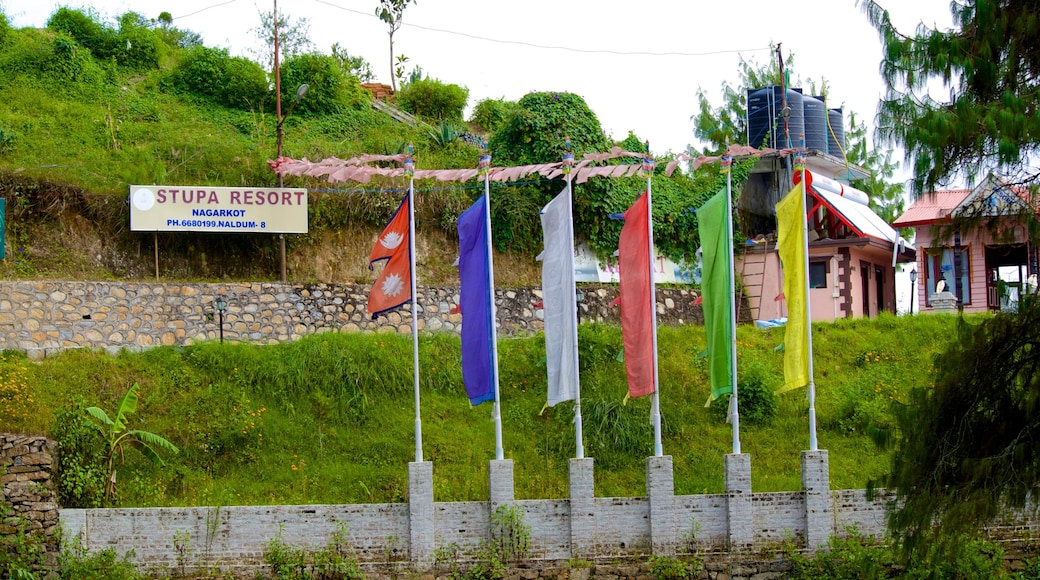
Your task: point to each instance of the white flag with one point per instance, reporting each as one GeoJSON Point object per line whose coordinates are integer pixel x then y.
{"type": "Point", "coordinates": [558, 298]}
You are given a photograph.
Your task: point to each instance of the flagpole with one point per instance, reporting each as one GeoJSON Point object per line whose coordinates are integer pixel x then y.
{"type": "Point", "coordinates": [808, 308]}
{"type": "Point", "coordinates": [497, 412]}
{"type": "Point", "coordinates": [734, 410]}
{"type": "Point", "coordinates": [655, 402]}
{"type": "Point", "coordinates": [568, 162]}
{"type": "Point", "coordinates": [409, 168]}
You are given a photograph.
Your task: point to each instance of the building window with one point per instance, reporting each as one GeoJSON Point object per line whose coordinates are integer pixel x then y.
{"type": "Point", "coordinates": [818, 274]}
{"type": "Point", "coordinates": [941, 266]}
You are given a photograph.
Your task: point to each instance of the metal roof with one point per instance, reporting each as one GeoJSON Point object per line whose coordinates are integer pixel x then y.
{"type": "Point", "coordinates": [931, 208]}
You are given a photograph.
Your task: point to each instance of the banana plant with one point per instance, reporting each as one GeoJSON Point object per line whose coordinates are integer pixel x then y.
{"type": "Point", "coordinates": [117, 435]}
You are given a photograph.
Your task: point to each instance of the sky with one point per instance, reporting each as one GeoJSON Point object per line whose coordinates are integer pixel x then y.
{"type": "Point", "coordinates": [637, 65]}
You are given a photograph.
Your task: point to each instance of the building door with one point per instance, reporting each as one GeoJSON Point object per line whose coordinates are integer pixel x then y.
{"type": "Point", "coordinates": [879, 284]}
{"type": "Point", "coordinates": [864, 272]}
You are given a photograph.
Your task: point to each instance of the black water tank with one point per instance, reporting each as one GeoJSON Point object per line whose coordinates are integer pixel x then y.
{"type": "Point", "coordinates": [766, 117]}
{"type": "Point", "coordinates": [815, 123]}
{"type": "Point", "coordinates": [836, 133]}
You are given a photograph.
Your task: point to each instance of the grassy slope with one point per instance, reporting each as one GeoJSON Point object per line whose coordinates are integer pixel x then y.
{"type": "Point", "coordinates": [330, 418]}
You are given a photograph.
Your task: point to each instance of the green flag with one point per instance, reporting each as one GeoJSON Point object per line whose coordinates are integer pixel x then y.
{"type": "Point", "coordinates": [716, 286]}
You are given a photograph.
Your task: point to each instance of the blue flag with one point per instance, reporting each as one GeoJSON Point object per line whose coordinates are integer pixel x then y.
{"type": "Point", "coordinates": [475, 296]}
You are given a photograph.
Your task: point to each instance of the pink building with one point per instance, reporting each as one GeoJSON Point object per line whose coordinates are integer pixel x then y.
{"type": "Point", "coordinates": [853, 253]}
{"type": "Point", "coordinates": [975, 244]}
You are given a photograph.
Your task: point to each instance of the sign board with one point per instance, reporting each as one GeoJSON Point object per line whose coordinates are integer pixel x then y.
{"type": "Point", "coordinates": [178, 208]}
{"type": "Point", "coordinates": [588, 268]}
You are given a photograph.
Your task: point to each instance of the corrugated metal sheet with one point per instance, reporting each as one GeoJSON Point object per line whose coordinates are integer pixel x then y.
{"type": "Point", "coordinates": [931, 208]}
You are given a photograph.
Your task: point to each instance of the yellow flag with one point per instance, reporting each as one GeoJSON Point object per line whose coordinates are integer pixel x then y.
{"type": "Point", "coordinates": [790, 219]}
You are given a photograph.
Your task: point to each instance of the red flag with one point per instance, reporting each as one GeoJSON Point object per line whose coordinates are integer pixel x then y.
{"type": "Point", "coordinates": [637, 324]}
{"type": "Point", "coordinates": [393, 287]}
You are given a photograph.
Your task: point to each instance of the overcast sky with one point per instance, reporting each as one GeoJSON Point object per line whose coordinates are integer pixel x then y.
{"type": "Point", "coordinates": [638, 65]}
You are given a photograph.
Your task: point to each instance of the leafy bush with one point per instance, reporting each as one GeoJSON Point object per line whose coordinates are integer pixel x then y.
{"type": "Point", "coordinates": [491, 114]}
{"type": "Point", "coordinates": [86, 30]}
{"type": "Point", "coordinates": [540, 127]}
{"type": "Point", "coordinates": [52, 60]}
{"type": "Point", "coordinates": [853, 557]}
{"type": "Point", "coordinates": [432, 99]}
{"type": "Point", "coordinates": [757, 402]}
{"type": "Point", "coordinates": [76, 563]}
{"type": "Point", "coordinates": [139, 46]}
{"type": "Point", "coordinates": [667, 568]}
{"type": "Point", "coordinates": [81, 458]}
{"type": "Point", "coordinates": [330, 90]}
{"type": "Point", "coordinates": [214, 75]}
{"type": "Point", "coordinates": [5, 28]}
{"type": "Point", "coordinates": [134, 45]}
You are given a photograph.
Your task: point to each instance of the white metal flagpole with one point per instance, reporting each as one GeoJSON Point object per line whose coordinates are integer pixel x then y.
{"type": "Point", "coordinates": [485, 163]}
{"type": "Point", "coordinates": [655, 402]}
{"type": "Point", "coordinates": [808, 308]}
{"type": "Point", "coordinates": [727, 166]}
{"type": "Point", "coordinates": [568, 163]}
{"type": "Point", "coordinates": [409, 169]}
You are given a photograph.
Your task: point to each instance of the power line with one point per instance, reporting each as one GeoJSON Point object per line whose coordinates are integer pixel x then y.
{"type": "Point", "coordinates": [545, 46]}
{"type": "Point", "coordinates": [205, 9]}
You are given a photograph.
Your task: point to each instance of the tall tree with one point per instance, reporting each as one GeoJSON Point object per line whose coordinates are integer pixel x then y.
{"type": "Point", "coordinates": [293, 37]}
{"type": "Point", "coordinates": [989, 66]}
{"type": "Point", "coordinates": [392, 13]}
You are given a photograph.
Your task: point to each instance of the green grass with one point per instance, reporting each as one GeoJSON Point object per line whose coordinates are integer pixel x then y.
{"type": "Point", "coordinates": [330, 418]}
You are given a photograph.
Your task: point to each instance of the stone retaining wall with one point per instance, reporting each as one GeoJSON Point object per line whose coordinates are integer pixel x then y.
{"type": "Point", "coordinates": [28, 501]}
{"type": "Point", "coordinates": [44, 317]}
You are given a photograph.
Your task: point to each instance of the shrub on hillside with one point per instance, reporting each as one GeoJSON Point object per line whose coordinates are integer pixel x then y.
{"type": "Point", "coordinates": [53, 60]}
{"type": "Point", "coordinates": [211, 73]}
{"type": "Point", "coordinates": [330, 90]}
{"type": "Point", "coordinates": [757, 404]}
{"type": "Point", "coordinates": [540, 127]}
{"type": "Point", "coordinates": [491, 114]}
{"type": "Point", "coordinates": [5, 28]}
{"type": "Point", "coordinates": [432, 99]}
{"type": "Point", "coordinates": [134, 44]}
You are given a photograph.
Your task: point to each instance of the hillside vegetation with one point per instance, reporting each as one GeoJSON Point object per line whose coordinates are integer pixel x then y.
{"type": "Point", "coordinates": [329, 419]}
{"type": "Point", "coordinates": [91, 107]}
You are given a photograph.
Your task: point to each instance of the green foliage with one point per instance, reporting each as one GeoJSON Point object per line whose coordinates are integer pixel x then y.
{"type": "Point", "coordinates": [54, 61]}
{"type": "Point", "coordinates": [76, 563]}
{"type": "Point", "coordinates": [6, 140]}
{"type": "Point", "coordinates": [964, 450]}
{"type": "Point", "coordinates": [509, 542]}
{"type": "Point", "coordinates": [391, 12]}
{"type": "Point", "coordinates": [853, 557]}
{"type": "Point", "coordinates": [987, 60]}
{"type": "Point", "coordinates": [294, 38]}
{"type": "Point", "coordinates": [334, 561]}
{"type": "Point", "coordinates": [432, 99]}
{"type": "Point", "coordinates": [490, 115]}
{"type": "Point", "coordinates": [81, 458]}
{"type": "Point", "coordinates": [757, 402]}
{"type": "Point", "coordinates": [213, 74]}
{"type": "Point", "coordinates": [512, 228]}
{"type": "Point", "coordinates": [670, 568]}
{"type": "Point", "coordinates": [330, 90]}
{"type": "Point", "coordinates": [540, 127]}
{"type": "Point", "coordinates": [444, 135]}
{"type": "Point", "coordinates": [336, 413]}
{"type": "Point", "coordinates": [22, 550]}
{"type": "Point", "coordinates": [133, 45]}
{"type": "Point", "coordinates": [116, 433]}
{"type": "Point", "coordinates": [727, 123]}
{"type": "Point", "coordinates": [886, 196]}
{"type": "Point", "coordinates": [5, 28]}
{"type": "Point", "coordinates": [355, 66]}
